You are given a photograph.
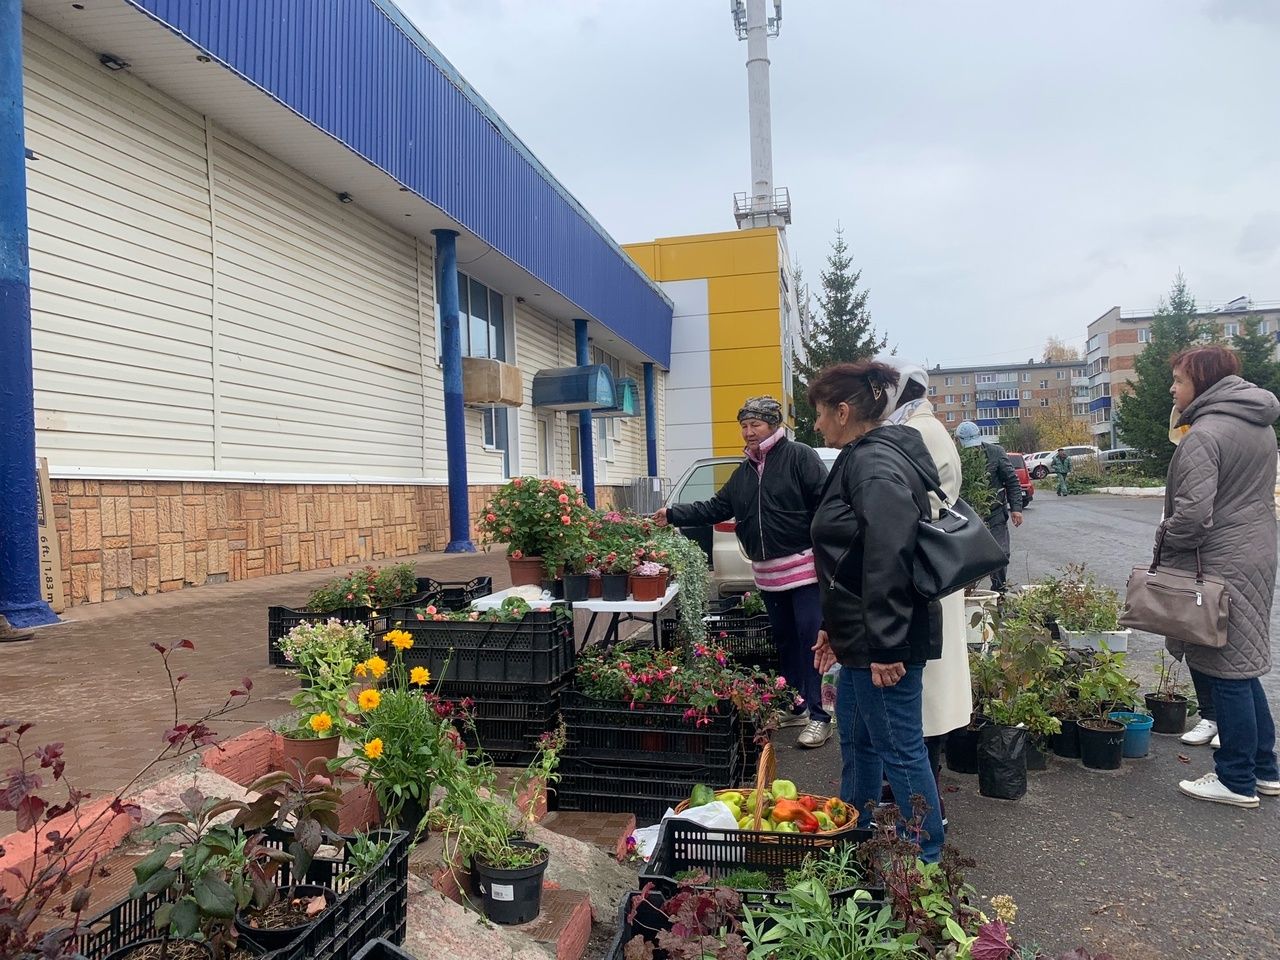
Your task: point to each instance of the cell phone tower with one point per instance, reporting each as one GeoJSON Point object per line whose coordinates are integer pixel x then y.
{"type": "Point", "coordinates": [765, 205]}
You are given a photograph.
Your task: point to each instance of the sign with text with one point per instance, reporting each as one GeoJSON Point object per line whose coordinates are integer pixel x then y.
{"type": "Point", "coordinates": [50, 551]}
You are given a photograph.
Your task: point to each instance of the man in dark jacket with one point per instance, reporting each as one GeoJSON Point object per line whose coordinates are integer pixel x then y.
{"type": "Point", "coordinates": [772, 496]}
{"type": "Point", "coordinates": [1004, 480]}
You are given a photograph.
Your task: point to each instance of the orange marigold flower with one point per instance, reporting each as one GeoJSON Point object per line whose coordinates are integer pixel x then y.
{"type": "Point", "coordinates": [420, 675]}
{"type": "Point", "coordinates": [400, 639]}
{"type": "Point", "coordinates": [321, 723]}
{"type": "Point", "coordinates": [373, 749]}
{"type": "Point", "coordinates": [361, 670]}
{"type": "Point", "coordinates": [377, 666]}
{"type": "Point", "coordinates": [369, 699]}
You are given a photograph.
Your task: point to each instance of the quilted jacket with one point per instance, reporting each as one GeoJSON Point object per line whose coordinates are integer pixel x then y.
{"type": "Point", "coordinates": [1221, 498]}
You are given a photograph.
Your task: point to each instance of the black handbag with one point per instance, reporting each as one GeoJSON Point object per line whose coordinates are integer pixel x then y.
{"type": "Point", "coordinates": [954, 551]}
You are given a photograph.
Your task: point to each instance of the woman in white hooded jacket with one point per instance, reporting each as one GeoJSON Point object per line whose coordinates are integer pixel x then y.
{"type": "Point", "coordinates": [948, 698]}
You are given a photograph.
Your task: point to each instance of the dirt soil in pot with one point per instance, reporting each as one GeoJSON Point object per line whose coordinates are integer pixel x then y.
{"type": "Point", "coordinates": [283, 914]}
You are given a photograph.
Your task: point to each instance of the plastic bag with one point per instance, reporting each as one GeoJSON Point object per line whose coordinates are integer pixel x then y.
{"type": "Point", "coordinates": [714, 814]}
{"type": "Point", "coordinates": [1002, 762]}
{"type": "Point", "coordinates": [829, 681]}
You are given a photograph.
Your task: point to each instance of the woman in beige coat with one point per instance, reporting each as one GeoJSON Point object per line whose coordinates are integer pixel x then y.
{"type": "Point", "coordinates": [948, 699]}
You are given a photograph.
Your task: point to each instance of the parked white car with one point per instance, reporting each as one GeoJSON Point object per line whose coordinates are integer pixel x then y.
{"type": "Point", "coordinates": [1038, 463]}
{"type": "Point", "coordinates": [730, 568]}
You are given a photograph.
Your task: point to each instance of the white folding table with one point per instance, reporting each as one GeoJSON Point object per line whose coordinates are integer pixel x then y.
{"type": "Point", "coordinates": [622, 611]}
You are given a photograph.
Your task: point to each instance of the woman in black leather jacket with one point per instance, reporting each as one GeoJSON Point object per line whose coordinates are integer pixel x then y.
{"type": "Point", "coordinates": [874, 622]}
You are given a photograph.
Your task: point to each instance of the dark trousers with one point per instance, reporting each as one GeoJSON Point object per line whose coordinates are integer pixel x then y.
{"type": "Point", "coordinates": [1204, 695]}
{"type": "Point", "coordinates": [795, 616]}
{"type": "Point", "coordinates": [999, 528]}
{"type": "Point", "coordinates": [1248, 751]}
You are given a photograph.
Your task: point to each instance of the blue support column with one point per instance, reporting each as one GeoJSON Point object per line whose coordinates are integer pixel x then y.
{"type": "Point", "coordinates": [455, 423]}
{"type": "Point", "coordinates": [586, 441]}
{"type": "Point", "coordinates": [650, 420]}
{"type": "Point", "coordinates": [21, 599]}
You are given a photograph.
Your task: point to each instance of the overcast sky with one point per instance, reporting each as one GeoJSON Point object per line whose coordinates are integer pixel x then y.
{"type": "Point", "coordinates": [1003, 170]}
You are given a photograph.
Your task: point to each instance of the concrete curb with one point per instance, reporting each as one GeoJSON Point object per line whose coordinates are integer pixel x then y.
{"type": "Point", "coordinates": [1131, 491]}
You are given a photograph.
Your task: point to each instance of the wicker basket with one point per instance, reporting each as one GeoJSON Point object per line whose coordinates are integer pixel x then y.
{"type": "Point", "coordinates": [766, 772]}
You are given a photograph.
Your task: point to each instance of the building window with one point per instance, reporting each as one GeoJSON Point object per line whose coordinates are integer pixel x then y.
{"type": "Point", "coordinates": [607, 438]}
{"type": "Point", "coordinates": [1044, 401]}
{"type": "Point", "coordinates": [964, 380]}
{"type": "Point", "coordinates": [1144, 335]}
{"type": "Point", "coordinates": [965, 398]}
{"type": "Point", "coordinates": [951, 398]}
{"type": "Point", "coordinates": [1231, 330]}
{"type": "Point", "coordinates": [482, 324]}
{"type": "Point", "coordinates": [1026, 394]}
{"type": "Point", "coordinates": [1060, 374]}
{"type": "Point", "coordinates": [948, 381]}
{"type": "Point", "coordinates": [933, 391]}
{"type": "Point", "coordinates": [575, 448]}
{"type": "Point", "coordinates": [546, 456]}
{"type": "Point", "coordinates": [1044, 384]}
{"type": "Point", "coordinates": [951, 417]}
{"type": "Point", "coordinates": [1026, 378]}
{"type": "Point", "coordinates": [986, 378]}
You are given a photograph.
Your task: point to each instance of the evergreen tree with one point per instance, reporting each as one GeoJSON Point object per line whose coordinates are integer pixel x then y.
{"type": "Point", "coordinates": [1142, 415]}
{"type": "Point", "coordinates": [1257, 352]}
{"type": "Point", "coordinates": [839, 330]}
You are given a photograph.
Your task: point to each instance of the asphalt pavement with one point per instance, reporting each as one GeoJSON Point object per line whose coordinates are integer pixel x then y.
{"type": "Point", "coordinates": [1112, 861]}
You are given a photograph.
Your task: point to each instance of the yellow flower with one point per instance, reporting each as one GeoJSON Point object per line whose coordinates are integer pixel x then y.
{"type": "Point", "coordinates": [1005, 908]}
{"type": "Point", "coordinates": [373, 749]}
{"type": "Point", "coordinates": [361, 670]}
{"type": "Point", "coordinates": [400, 639]}
{"type": "Point", "coordinates": [369, 699]}
{"type": "Point", "coordinates": [377, 666]}
{"type": "Point", "coordinates": [420, 675]}
{"type": "Point", "coordinates": [321, 723]}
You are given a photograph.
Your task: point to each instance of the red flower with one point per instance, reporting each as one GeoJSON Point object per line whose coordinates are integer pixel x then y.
{"type": "Point", "coordinates": [566, 520]}
{"type": "Point", "coordinates": [490, 517]}
{"type": "Point", "coordinates": [517, 483]}
{"type": "Point", "coordinates": [517, 554]}
{"type": "Point", "coordinates": [563, 498]}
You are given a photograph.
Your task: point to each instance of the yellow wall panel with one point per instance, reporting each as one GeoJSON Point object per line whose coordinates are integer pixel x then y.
{"type": "Point", "coordinates": [731, 368]}
{"type": "Point", "coordinates": [714, 255]}
{"type": "Point", "coordinates": [750, 328]}
{"type": "Point", "coordinates": [646, 256]}
{"type": "Point", "coordinates": [754, 291]}
{"type": "Point", "coordinates": [726, 438]}
{"type": "Point", "coordinates": [726, 400]}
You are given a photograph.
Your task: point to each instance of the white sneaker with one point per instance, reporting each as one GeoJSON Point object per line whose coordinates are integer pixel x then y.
{"type": "Point", "coordinates": [795, 719]}
{"type": "Point", "coordinates": [1209, 787]}
{"type": "Point", "coordinates": [1216, 742]}
{"type": "Point", "coordinates": [1201, 733]}
{"type": "Point", "coordinates": [1269, 788]}
{"type": "Point", "coordinates": [815, 734]}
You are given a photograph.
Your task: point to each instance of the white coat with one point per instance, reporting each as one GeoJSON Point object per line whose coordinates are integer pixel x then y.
{"type": "Point", "coordinates": [948, 695]}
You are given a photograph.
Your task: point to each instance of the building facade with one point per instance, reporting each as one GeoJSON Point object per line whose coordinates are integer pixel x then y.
{"type": "Point", "coordinates": [237, 259]}
{"type": "Point", "coordinates": [732, 336]}
{"type": "Point", "coordinates": [1117, 337]}
{"type": "Point", "coordinates": [992, 396]}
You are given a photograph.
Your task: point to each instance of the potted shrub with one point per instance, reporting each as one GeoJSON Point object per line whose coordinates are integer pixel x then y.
{"type": "Point", "coordinates": [648, 581]}
{"type": "Point", "coordinates": [979, 610]}
{"type": "Point", "coordinates": [368, 587]}
{"type": "Point", "coordinates": [540, 521]}
{"type": "Point", "coordinates": [1103, 688]}
{"type": "Point", "coordinates": [1137, 732]}
{"type": "Point", "coordinates": [616, 538]}
{"type": "Point", "coordinates": [326, 655]}
{"type": "Point", "coordinates": [1002, 752]}
{"type": "Point", "coordinates": [485, 828]}
{"type": "Point", "coordinates": [1169, 703]}
{"type": "Point", "coordinates": [1088, 613]}
{"type": "Point", "coordinates": [577, 580]}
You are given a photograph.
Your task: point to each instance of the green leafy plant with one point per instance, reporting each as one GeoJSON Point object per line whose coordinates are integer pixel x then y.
{"type": "Point", "coordinates": [1084, 605]}
{"type": "Point", "coordinates": [368, 587]}
{"type": "Point", "coordinates": [753, 604]}
{"type": "Point", "coordinates": [836, 869]}
{"type": "Point", "coordinates": [688, 565]}
{"type": "Point", "coordinates": [975, 481]}
{"type": "Point", "coordinates": [1169, 682]}
{"type": "Point", "coordinates": [745, 880]}
{"type": "Point", "coordinates": [315, 647]}
{"type": "Point", "coordinates": [326, 655]}
{"type": "Point", "coordinates": [363, 854]}
{"type": "Point", "coordinates": [806, 925]}
{"type": "Point", "coordinates": [512, 610]}
{"type": "Point", "coordinates": [537, 518]}
{"type": "Point", "coordinates": [1105, 686]}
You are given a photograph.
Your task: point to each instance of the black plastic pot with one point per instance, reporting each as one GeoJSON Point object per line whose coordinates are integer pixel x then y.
{"type": "Point", "coordinates": [283, 936]}
{"type": "Point", "coordinates": [411, 814]}
{"type": "Point", "coordinates": [1002, 762]}
{"type": "Point", "coordinates": [1101, 743]}
{"type": "Point", "coordinates": [962, 748]}
{"type": "Point", "coordinates": [576, 587]}
{"type": "Point", "coordinates": [1067, 743]}
{"type": "Point", "coordinates": [1170, 715]}
{"type": "Point", "coordinates": [1036, 759]}
{"type": "Point", "coordinates": [511, 896]}
{"type": "Point", "coordinates": [123, 952]}
{"type": "Point", "coordinates": [554, 587]}
{"type": "Point", "coordinates": [615, 587]}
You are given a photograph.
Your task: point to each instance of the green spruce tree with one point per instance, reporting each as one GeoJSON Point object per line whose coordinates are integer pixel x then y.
{"type": "Point", "coordinates": [1142, 416]}
{"type": "Point", "coordinates": [838, 330]}
{"type": "Point", "coordinates": [1257, 351]}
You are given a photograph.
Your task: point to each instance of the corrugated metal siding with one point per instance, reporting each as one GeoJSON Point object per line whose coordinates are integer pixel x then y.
{"type": "Point", "coordinates": [121, 274]}
{"type": "Point", "coordinates": [355, 73]}
{"type": "Point", "coordinates": [320, 355]}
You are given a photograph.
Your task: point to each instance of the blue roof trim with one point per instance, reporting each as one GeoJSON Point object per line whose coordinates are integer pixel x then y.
{"type": "Point", "coordinates": [362, 73]}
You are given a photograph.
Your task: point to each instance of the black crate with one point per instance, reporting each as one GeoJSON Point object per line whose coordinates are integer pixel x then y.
{"type": "Point", "coordinates": [280, 620]}
{"type": "Point", "coordinates": [536, 649]}
{"type": "Point", "coordinates": [685, 846]}
{"type": "Point", "coordinates": [619, 787]}
{"type": "Point", "coordinates": [748, 640]}
{"type": "Point", "coordinates": [509, 720]}
{"type": "Point", "coordinates": [650, 733]}
{"type": "Point", "coordinates": [452, 594]}
{"type": "Point", "coordinates": [382, 950]}
{"type": "Point", "coordinates": [372, 907]}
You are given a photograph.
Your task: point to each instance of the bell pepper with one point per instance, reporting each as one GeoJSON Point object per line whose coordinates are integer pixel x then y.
{"type": "Point", "coordinates": [825, 823]}
{"type": "Point", "coordinates": [837, 810]}
{"type": "Point", "coordinates": [792, 811]}
{"type": "Point", "coordinates": [788, 828]}
{"type": "Point", "coordinates": [784, 790]}
{"type": "Point", "coordinates": [809, 803]}
{"type": "Point", "coordinates": [701, 796]}
{"type": "Point", "coordinates": [808, 826]}
{"type": "Point", "coordinates": [731, 797]}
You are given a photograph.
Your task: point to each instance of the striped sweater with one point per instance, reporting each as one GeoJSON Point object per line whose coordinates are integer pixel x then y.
{"type": "Point", "coordinates": [780, 573]}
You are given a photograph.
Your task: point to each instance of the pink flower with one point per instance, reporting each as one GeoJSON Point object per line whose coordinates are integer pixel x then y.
{"type": "Point", "coordinates": [566, 520]}
{"type": "Point", "coordinates": [563, 498]}
{"type": "Point", "coordinates": [432, 609]}
{"type": "Point", "coordinates": [517, 554]}
{"type": "Point", "coordinates": [780, 683]}
{"type": "Point", "coordinates": [491, 517]}
{"type": "Point", "coordinates": [517, 483]}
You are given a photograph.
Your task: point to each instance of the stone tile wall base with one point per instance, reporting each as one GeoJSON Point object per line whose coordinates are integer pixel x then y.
{"type": "Point", "coordinates": [121, 539]}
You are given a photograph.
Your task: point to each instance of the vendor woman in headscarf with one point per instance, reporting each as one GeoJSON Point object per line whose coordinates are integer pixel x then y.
{"type": "Point", "coordinates": [772, 497]}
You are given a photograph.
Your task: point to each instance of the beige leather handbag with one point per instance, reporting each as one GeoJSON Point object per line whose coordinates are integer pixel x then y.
{"type": "Point", "coordinates": [1191, 607]}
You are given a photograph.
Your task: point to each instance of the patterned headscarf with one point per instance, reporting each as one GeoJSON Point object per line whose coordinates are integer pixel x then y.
{"type": "Point", "coordinates": [765, 409]}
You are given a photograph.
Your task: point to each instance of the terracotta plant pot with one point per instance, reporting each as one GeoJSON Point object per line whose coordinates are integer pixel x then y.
{"type": "Point", "coordinates": [644, 589]}
{"type": "Point", "coordinates": [595, 588]}
{"type": "Point", "coordinates": [304, 750]}
{"type": "Point", "coordinates": [527, 571]}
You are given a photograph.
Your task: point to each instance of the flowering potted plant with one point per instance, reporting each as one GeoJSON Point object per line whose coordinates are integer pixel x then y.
{"type": "Point", "coordinates": [618, 543]}
{"type": "Point", "coordinates": [540, 521]}
{"type": "Point", "coordinates": [326, 655]}
{"type": "Point", "coordinates": [369, 587]}
{"type": "Point", "coordinates": [577, 581]}
{"type": "Point", "coordinates": [648, 581]}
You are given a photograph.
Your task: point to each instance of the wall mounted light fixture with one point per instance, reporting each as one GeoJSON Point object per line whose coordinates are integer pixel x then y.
{"type": "Point", "coordinates": [111, 63]}
{"type": "Point", "coordinates": [345, 197]}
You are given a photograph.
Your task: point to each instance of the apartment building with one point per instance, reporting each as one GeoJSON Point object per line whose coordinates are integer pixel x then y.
{"type": "Point", "coordinates": [992, 396]}
{"type": "Point", "coordinates": [1118, 336]}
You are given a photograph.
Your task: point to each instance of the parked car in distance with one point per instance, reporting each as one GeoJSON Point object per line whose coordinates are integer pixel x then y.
{"type": "Point", "coordinates": [1038, 463]}
{"type": "Point", "coordinates": [1119, 457]}
{"type": "Point", "coordinates": [730, 568]}
{"type": "Point", "coordinates": [1024, 478]}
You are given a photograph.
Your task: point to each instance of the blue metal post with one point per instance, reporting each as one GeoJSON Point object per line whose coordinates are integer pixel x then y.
{"type": "Point", "coordinates": [455, 423]}
{"type": "Point", "coordinates": [650, 420]}
{"type": "Point", "coordinates": [586, 442]}
{"type": "Point", "coordinates": [21, 599]}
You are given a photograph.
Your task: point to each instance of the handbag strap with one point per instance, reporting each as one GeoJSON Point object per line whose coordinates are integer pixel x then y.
{"type": "Point", "coordinates": [931, 484]}
{"type": "Point", "coordinates": [1159, 548]}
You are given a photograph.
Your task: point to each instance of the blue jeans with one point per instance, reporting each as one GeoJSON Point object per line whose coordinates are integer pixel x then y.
{"type": "Point", "coordinates": [795, 616]}
{"type": "Point", "coordinates": [881, 732]}
{"type": "Point", "coordinates": [1203, 684]}
{"type": "Point", "coordinates": [1248, 751]}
